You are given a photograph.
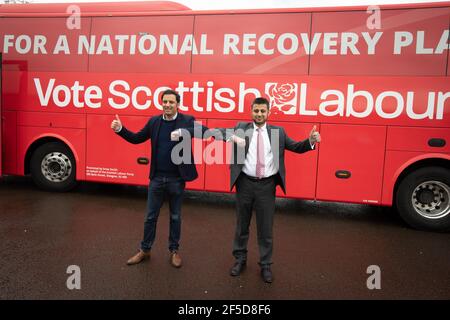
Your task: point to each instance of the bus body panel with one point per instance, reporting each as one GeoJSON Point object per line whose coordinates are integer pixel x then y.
{"type": "Point", "coordinates": [303, 184]}
{"type": "Point", "coordinates": [422, 26]}
{"type": "Point", "coordinates": [363, 159]}
{"type": "Point", "coordinates": [112, 159]}
{"type": "Point", "coordinates": [418, 139]}
{"type": "Point", "coordinates": [217, 156]}
{"type": "Point", "coordinates": [51, 120]}
{"type": "Point", "coordinates": [39, 53]}
{"type": "Point", "coordinates": [141, 27]}
{"type": "Point", "coordinates": [198, 146]}
{"type": "Point", "coordinates": [260, 30]}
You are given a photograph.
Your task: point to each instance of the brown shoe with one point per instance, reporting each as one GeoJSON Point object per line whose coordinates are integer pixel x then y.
{"type": "Point", "coordinates": [175, 259]}
{"type": "Point", "coordinates": [139, 257]}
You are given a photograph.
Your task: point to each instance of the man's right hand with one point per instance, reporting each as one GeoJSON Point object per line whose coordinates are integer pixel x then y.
{"type": "Point", "coordinates": [116, 124]}
{"type": "Point", "coordinates": [239, 141]}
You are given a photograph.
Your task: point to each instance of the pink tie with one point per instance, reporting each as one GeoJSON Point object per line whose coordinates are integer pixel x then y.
{"type": "Point", "coordinates": [260, 154]}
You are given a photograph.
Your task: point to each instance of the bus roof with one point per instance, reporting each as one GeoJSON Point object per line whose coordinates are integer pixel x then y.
{"type": "Point", "coordinates": [92, 8]}
{"type": "Point", "coordinates": [143, 8]}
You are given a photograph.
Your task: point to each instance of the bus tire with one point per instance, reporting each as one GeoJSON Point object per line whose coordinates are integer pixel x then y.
{"type": "Point", "coordinates": [53, 167]}
{"type": "Point", "coordinates": [422, 199]}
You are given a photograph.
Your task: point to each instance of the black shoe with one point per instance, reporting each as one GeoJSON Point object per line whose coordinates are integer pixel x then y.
{"type": "Point", "coordinates": [266, 274]}
{"type": "Point", "coordinates": [237, 268]}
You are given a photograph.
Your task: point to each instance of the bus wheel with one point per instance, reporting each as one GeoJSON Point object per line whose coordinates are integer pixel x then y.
{"type": "Point", "coordinates": [423, 199]}
{"type": "Point", "coordinates": [53, 167]}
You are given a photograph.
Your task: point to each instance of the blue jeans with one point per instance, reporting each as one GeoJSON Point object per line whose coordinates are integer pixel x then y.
{"type": "Point", "coordinates": [160, 187]}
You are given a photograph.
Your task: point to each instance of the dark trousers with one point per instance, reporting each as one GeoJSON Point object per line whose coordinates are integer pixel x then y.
{"type": "Point", "coordinates": [160, 187]}
{"type": "Point", "coordinates": [258, 195]}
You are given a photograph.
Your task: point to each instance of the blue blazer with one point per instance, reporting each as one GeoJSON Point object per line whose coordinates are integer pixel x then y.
{"type": "Point", "coordinates": [188, 171]}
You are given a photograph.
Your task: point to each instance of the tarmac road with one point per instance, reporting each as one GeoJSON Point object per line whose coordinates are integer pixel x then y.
{"type": "Point", "coordinates": [321, 250]}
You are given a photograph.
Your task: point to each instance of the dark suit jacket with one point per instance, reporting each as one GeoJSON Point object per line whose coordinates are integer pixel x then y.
{"type": "Point", "coordinates": [187, 171]}
{"type": "Point", "coordinates": [276, 133]}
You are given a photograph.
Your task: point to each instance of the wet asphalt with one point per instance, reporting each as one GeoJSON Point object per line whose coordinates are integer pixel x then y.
{"type": "Point", "coordinates": [321, 250]}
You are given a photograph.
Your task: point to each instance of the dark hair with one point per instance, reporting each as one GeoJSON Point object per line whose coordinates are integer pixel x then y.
{"type": "Point", "coordinates": [261, 100]}
{"type": "Point", "coordinates": [170, 91]}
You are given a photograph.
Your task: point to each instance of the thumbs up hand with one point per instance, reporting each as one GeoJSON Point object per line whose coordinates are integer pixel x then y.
{"type": "Point", "coordinates": [314, 136]}
{"type": "Point", "coordinates": [116, 124]}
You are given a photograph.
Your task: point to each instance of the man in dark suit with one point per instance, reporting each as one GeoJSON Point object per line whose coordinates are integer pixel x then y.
{"type": "Point", "coordinates": [257, 168]}
{"type": "Point", "coordinates": [166, 177]}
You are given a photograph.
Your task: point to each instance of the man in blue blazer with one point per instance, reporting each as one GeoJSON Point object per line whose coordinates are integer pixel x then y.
{"type": "Point", "coordinates": [166, 177]}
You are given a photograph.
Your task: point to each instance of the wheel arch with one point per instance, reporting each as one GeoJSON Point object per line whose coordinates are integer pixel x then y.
{"type": "Point", "coordinates": [40, 141]}
{"type": "Point", "coordinates": [440, 160]}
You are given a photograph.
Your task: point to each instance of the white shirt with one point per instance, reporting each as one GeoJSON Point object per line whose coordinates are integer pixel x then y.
{"type": "Point", "coordinates": [250, 160]}
{"type": "Point", "coordinates": [173, 118]}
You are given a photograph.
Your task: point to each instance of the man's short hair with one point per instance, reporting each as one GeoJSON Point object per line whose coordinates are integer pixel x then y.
{"type": "Point", "coordinates": [170, 91]}
{"type": "Point", "coordinates": [261, 100]}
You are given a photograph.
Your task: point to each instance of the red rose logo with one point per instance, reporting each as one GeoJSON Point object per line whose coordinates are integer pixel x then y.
{"type": "Point", "coordinates": [281, 95]}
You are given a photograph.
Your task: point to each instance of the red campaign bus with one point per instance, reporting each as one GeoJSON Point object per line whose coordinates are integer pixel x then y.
{"type": "Point", "coordinates": [373, 80]}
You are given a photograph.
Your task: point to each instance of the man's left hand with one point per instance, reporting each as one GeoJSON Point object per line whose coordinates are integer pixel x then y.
{"type": "Point", "coordinates": [175, 135]}
{"type": "Point", "coordinates": [314, 136]}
